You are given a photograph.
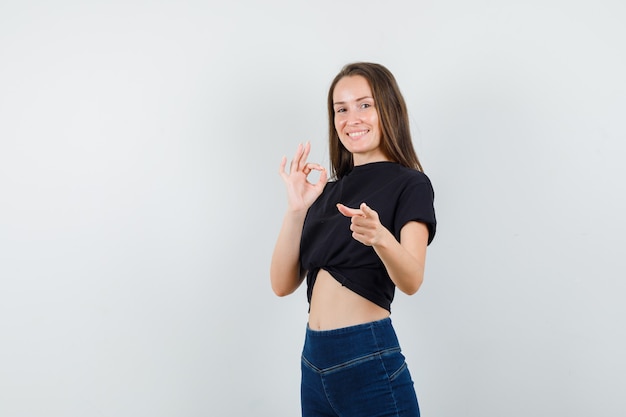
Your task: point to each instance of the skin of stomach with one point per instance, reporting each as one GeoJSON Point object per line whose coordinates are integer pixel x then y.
{"type": "Point", "coordinates": [334, 306]}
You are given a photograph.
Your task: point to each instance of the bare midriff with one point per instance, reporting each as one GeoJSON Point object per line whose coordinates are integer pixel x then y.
{"type": "Point", "coordinates": [334, 306]}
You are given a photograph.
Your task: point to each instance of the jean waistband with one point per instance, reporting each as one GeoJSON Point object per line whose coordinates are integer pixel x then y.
{"type": "Point", "coordinates": [327, 348]}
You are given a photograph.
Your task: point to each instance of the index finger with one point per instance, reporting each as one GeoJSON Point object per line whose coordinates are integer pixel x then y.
{"type": "Point", "coordinates": [348, 212]}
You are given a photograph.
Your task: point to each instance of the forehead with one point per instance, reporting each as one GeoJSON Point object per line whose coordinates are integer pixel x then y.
{"type": "Point", "coordinates": [351, 88]}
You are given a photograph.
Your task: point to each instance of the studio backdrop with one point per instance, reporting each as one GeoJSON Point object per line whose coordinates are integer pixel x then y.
{"type": "Point", "coordinates": [140, 200]}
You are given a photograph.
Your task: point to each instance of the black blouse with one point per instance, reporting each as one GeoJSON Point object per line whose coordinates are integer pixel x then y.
{"type": "Point", "coordinates": [398, 194]}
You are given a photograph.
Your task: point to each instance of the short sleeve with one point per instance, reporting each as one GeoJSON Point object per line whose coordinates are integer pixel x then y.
{"type": "Point", "coordinates": [416, 203]}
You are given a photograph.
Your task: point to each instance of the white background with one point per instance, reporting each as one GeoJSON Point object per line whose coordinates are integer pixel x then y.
{"type": "Point", "coordinates": [140, 201]}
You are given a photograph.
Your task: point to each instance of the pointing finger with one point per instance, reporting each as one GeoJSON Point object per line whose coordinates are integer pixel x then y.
{"type": "Point", "coordinates": [348, 212]}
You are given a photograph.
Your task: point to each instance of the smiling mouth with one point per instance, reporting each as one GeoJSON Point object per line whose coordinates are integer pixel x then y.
{"type": "Point", "coordinates": [357, 134]}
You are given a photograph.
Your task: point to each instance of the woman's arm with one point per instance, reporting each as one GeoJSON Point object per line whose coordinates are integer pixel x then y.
{"type": "Point", "coordinates": [286, 275]}
{"type": "Point", "coordinates": [404, 261]}
{"type": "Point", "coordinates": [285, 272]}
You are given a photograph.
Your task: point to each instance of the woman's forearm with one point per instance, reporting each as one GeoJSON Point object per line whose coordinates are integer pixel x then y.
{"type": "Point", "coordinates": [285, 272]}
{"type": "Point", "coordinates": [405, 262]}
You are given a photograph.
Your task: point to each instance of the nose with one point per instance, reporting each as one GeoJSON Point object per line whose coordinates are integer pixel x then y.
{"type": "Point", "coordinates": [353, 118]}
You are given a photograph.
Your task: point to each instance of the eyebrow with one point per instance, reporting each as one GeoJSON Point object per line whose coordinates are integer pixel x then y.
{"type": "Point", "coordinates": [335, 103]}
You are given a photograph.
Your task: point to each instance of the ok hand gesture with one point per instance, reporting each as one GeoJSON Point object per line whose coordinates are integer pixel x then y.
{"type": "Point", "coordinates": [300, 192]}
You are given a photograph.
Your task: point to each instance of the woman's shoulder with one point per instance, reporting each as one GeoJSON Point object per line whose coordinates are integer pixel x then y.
{"type": "Point", "coordinates": [411, 175]}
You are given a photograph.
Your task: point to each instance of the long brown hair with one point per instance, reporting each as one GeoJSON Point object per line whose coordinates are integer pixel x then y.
{"type": "Point", "coordinates": [393, 117]}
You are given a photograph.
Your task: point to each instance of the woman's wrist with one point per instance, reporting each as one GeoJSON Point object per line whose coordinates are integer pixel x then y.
{"type": "Point", "coordinates": [295, 214]}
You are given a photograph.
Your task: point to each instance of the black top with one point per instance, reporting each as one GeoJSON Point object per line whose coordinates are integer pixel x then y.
{"type": "Point", "coordinates": [398, 194]}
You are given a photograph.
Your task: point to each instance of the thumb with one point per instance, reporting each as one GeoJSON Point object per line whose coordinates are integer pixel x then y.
{"type": "Point", "coordinates": [367, 211]}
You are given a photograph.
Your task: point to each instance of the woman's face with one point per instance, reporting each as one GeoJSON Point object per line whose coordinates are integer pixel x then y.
{"type": "Point", "coordinates": [356, 119]}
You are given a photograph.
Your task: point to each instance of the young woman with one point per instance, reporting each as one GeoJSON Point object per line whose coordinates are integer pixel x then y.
{"type": "Point", "coordinates": [355, 239]}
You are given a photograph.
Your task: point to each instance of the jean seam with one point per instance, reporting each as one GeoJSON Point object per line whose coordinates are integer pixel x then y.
{"type": "Point", "coordinates": [380, 355]}
{"type": "Point", "coordinates": [310, 365]}
{"type": "Point", "coordinates": [351, 362]}
{"type": "Point", "coordinates": [393, 376]}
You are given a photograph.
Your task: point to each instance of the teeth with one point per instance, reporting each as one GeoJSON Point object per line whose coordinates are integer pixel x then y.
{"type": "Point", "coordinates": [362, 132]}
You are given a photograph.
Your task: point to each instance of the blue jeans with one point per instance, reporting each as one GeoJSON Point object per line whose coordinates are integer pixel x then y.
{"type": "Point", "coordinates": [356, 371]}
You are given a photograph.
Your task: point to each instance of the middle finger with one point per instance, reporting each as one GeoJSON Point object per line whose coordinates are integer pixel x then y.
{"type": "Point", "coordinates": [305, 154]}
{"type": "Point", "coordinates": [295, 162]}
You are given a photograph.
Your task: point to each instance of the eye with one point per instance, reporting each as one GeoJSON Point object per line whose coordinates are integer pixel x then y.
{"type": "Point", "coordinates": [340, 110]}
{"type": "Point", "coordinates": [366, 105]}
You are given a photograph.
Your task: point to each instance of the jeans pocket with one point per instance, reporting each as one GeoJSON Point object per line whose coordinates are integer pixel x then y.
{"type": "Point", "coordinates": [394, 363]}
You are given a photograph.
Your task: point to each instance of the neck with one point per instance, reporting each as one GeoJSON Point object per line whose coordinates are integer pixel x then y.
{"type": "Point", "coordinates": [359, 159]}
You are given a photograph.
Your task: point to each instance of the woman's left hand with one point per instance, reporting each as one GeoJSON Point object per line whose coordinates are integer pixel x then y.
{"type": "Point", "coordinates": [366, 227]}
{"type": "Point", "coordinates": [404, 262]}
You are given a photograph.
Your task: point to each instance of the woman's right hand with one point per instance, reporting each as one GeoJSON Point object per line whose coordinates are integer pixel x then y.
{"type": "Point", "coordinates": [300, 192]}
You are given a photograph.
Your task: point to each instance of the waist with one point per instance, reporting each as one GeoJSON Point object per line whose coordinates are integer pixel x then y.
{"type": "Point", "coordinates": [327, 348]}
{"type": "Point", "coordinates": [335, 306]}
